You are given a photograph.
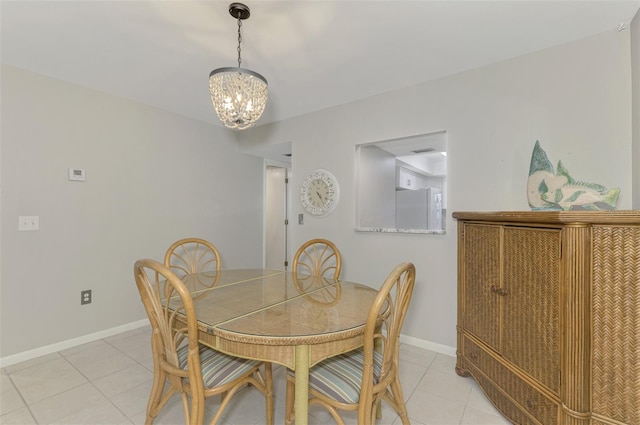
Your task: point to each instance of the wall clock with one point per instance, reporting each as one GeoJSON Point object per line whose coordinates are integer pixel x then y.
{"type": "Point", "coordinates": [319, 193]}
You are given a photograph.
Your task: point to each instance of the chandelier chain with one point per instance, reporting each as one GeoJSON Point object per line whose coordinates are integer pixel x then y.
{"type": "Point", "coordinates": [239, 41]}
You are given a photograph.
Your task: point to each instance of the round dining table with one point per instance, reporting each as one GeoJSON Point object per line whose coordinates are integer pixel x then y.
{"type": "Point", "coordinates": [280, 317]}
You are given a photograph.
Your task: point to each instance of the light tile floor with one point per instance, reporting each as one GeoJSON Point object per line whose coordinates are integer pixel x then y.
{"type": "Point", "coordinates": [108, 382]}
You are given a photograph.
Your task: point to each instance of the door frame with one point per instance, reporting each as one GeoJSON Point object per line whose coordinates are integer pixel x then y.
{"type": "Point", "coordinates": [287, 212]}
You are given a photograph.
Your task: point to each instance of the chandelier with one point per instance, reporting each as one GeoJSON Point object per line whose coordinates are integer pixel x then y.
{"type": "Point", "coordinates": [238, 95]}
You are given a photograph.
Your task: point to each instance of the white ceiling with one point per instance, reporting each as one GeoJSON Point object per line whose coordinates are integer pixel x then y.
{"type": "Point", "coordinates": [315, 54]}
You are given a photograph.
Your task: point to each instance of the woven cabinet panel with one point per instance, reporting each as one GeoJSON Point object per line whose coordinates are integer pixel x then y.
{"type": "Point", "coordinates": [482, 270]}
{"type": "Point", "coordinates": [501, 402]}
{"type": "Point", "coordinates": [616, 323]}
{"type": "Point", "coordinates": [531, 307]}
{"type": "Point", "coordinates": [527, 399]}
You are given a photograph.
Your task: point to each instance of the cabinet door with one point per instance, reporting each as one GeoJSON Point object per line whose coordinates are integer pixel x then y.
{"type": "Point", "coordinates": [405, 179]}
{"type": "Point", "coordinates": [481, 273]}
{"type": "Point", "coordinates": [530, 323]}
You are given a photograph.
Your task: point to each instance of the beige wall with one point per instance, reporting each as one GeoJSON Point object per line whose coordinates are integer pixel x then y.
{"type": "Point", "coordinates": [152, 177]}
{"type": "Point", "coordinates": [575, 99]}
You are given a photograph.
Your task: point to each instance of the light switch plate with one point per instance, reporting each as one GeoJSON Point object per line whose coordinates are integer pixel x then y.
{"type": "Point", "coordinates": [28, 222]}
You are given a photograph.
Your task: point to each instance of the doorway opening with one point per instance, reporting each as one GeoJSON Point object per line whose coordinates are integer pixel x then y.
{"type": "Point", "coordinates": [276, 217]}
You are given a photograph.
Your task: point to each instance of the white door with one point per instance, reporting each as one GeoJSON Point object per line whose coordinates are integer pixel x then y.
{"type": "Point", "coordinates": [276, 218]}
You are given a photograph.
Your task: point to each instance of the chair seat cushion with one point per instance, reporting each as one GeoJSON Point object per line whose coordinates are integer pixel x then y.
{"type": "Point", "coordinates": [340, 377]}
{"type": "Point", "coordinates": [217, 368]}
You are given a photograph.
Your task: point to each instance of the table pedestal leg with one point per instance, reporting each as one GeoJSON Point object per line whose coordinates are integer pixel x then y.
{"type": "Point", "coordinates": [301, 405]}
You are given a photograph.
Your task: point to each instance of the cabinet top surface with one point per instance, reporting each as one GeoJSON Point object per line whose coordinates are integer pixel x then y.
{"type": "Point", "coordinates": [561, 217]}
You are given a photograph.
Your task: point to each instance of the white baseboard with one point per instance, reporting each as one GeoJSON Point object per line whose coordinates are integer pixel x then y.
{"type": "Point", "coordinates": [53, 348]}
{"type": "Point", "coordinates": [428, 345]}
{"type": "Point", "coordinates": [59, 346]}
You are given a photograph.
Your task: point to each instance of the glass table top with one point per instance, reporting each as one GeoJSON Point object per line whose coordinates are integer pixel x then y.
{"type": "Point", "coordinates": [277, 303]}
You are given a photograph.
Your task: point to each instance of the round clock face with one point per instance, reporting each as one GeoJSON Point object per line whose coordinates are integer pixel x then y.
{"type": "Point", "coordinates": [319, 193]}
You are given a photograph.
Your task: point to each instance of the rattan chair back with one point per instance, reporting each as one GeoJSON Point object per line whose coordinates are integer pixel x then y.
{"type": "Point", "coordinates": [318, 290]}
{"type": "Point", "coordinates": [192, 255]}
{"type": "Point", "coordinates": [318, 257]}
{"type": "Point", "coordinates": [382, 334]}
{"type": "Point", "coordinates": [174, 325]}
{"type": "Point", "coordinates": [171, 328]}
{"type": "Point", "coordinates": [380, 356]}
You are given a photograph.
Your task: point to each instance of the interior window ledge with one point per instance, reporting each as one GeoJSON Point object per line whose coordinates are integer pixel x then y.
{"type": "Point", "coordinates": [388, 230]}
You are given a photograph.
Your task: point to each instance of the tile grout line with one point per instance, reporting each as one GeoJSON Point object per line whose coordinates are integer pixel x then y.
{"type": "Point", "coordinates": [62, 356]}
{"type": "Point", "coordinates": [109, 398]}
{"type": "Point", "coordinates": [417, 384]}
{"type": "Point", "coordinates": [26, 405]}
{"type": "Point", "coordinates": [90, 381]}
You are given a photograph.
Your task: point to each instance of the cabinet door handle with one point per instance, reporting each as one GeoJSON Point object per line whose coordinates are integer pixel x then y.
{"type": "Point", "coordinates": [531, 404]}
{"type": "Point", "coordinates": [499, 291]}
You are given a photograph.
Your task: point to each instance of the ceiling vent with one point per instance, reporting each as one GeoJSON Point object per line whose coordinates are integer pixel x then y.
{"type": "Point", "coordinates": [426, 150]}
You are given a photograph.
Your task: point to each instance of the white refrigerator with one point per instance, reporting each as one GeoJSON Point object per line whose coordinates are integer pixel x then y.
{"type": "Point", "coordinates": [419, 209]}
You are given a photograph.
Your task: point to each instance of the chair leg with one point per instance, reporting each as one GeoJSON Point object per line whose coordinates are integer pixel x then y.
{"type": "Point", "coordinates": [396, 391]}
{"type": "Point", "coordinates": [288, 409]}
{"type": "Point", "coordinates": [185, 409]}
{"type": "Point", "coordinates": [268, 380]}
{"type": "Point", "coordinates": [155, 397]}
{"type": "Point", "coordinates": [197, 408]}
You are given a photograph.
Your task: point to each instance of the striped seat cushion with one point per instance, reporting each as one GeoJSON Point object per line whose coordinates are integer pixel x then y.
{"type": "Point", "coordinates": [340, 377]}
{"type": "Point", "coordinates": [217, 368]}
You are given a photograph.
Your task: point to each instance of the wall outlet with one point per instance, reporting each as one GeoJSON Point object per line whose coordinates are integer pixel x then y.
{"type": "Point", "coordinates": [85, 297]}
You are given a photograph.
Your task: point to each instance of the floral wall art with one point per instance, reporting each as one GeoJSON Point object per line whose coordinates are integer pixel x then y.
{"type": "Point", "coordinates": [558, 191]}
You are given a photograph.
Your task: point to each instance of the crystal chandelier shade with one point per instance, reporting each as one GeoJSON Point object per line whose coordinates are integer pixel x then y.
{"type": "Point", "coordinates": [239, 95]}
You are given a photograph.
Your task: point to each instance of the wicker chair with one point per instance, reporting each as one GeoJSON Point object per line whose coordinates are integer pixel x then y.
{"type": "Point", "coordinates": [192, 255]}
{"type": "Point", "coordinates": [360, 379]}
{"type": "Point", "coordinates": [318, 257]}
{"type": "Point", "coordinates": [190, 368]}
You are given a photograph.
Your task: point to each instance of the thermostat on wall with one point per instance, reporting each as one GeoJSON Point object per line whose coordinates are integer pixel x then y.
{"type": "Point", "coordinates": [77, 174]}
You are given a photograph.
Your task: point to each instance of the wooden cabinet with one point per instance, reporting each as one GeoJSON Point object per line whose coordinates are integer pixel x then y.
{"type": "Point", "coordinates": [549, 314]}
